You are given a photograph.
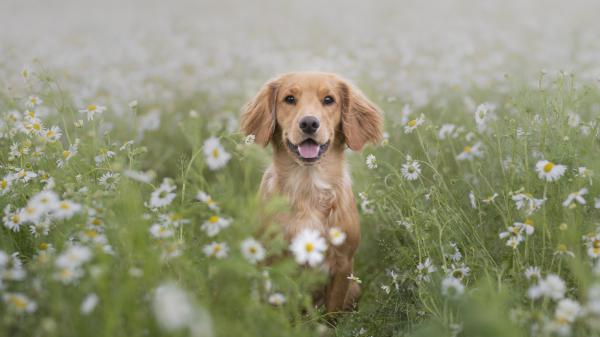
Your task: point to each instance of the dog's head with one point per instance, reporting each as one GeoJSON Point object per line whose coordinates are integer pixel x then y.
{"type": "Point", "coordinates": [309, 111]}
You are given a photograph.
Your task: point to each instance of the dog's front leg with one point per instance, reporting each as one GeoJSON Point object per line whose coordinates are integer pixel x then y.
{"type": "Point", "coordinates": [339, 283]}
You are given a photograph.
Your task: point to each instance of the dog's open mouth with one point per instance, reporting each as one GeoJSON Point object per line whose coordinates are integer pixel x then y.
{"type": "Point", "coordinates": [308, 150]}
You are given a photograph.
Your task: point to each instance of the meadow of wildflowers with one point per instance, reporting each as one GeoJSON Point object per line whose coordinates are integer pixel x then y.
{"type": "Point", "coordinates": [128, 196]}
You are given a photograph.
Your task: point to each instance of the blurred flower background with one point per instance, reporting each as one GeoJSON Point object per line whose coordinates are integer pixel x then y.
{"type": "Point", "coordinates": [128, 196]}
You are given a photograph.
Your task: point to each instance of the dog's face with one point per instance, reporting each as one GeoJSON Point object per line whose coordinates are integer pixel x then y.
{"type": "Point", "coordinates": [311, 111]}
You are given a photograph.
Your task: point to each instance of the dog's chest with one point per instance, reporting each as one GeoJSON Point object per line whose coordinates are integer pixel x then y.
{"type": "Point", "coordinates": [312, 198]}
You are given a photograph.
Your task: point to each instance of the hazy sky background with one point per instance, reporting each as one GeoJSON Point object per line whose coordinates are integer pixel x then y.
{"type": "Point", "coordinates": [413, 48]}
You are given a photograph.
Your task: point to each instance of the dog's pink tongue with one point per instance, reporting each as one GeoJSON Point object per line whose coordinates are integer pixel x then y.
{"type": "Point", "coordinates": [308, 150]}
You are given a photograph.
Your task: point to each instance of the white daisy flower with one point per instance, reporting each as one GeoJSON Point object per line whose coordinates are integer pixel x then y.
{"type": "Point", "coordinates": [33, 101]}
{"type": "Point", "coordinates": [249, 139]}
{"type": "Point", "coordinates": [593, 244]}
{"type": "Point", "coordinates": [533, 273]}
{"type": "Point", "coordinates": [143, 177]}
{"type": "Point", "coordinates": [66, 209]}
{"type": "Point", "coordinates": [567, 310]}
{"type": "Point", "coordinates": [446, 130]}
{"type": "Point", "coordinates": [175, 309]}
{"type": "Point", "coordinates": [528, 202]}
{"type": "Point", "coordinates": [207, 199]}
{"type": "Point", "coordinates": [490, 199]}
{"type": "Point", "coordinates": [365, 204]}
{"type": "Point", "coordinates": [472, 200]}
{"type": "Point", "coordinates": [252, 250]}
{"type": "Point", "coordinates": [52, 134]}
{"type": "Point", "coordinates": [563, 250]}
{"type": "Point", "coordinates": [46, 201]}
{"type": "Point", "coordinates": [24, 175]}
{"type": "Point", "coordinates": [452, 287]}
{"type": "Point", "coordinates": [309, 247]}
{"type": "Point", "coordinates": [526, 226]}
{"type": "Point", "coordinates": [12, 220]}
{"type": "Point", "coordinates": [276, 299]}
{"type": "Point", "coordinates": [5, 184]}
{"type": "Point", "coordinates": [161, 231]}
{"type": "Point", "coordinates": [215, 224]}
{"type": "Point", "coordinates": [458, 272]}
{"type": "Point", "coordinates": [104, 155]}
{"type": "Point", "coordinates": [411, 170]}
{"type": "Point", "coordinates": [424, 269]}
{"type": "Point", "coordinates": [109, 180]}
{"type": "Point", "coordinates": [412, 125]}
{"type": "Point", "coordinates": [163, 195]}
{"type": "Point", "coordinates": [31, 214]}
{"type": "Point", "coordinates": [88, 304]}
{"type": "Point", "coordinates": [514, 235]}
{"type": "Point", "coordinates": [470, 152]}
{"type": "Point", "coordinates": [549, 171]}
{"type": "Point", "coordinates": [371, 162]}
{"type": "Point", "coordinates": [19, 303]}
{"type": "Point", "coordinates": [336, 236]}
{"type": "Point", "coordinates": [173, 219]}
{"type": "Point", "coordinates": [354, 278]}
{"type": "Point", "coordinates": [73, 257]}
{"type": "Point", "coordinates": [91, 110]}
{"type": "Point", "coordinates": [215, 154]}
{"type": "Point", "coordinates": [216, 249]}
{"type": "Point", "coordinates": [68, 154]}
{"type": "Point", "coordinates": [552, 287]}
{"type": "Point", "coordinates": [481, 113]}
{"type": "Point", "coordinates": [575, 196]}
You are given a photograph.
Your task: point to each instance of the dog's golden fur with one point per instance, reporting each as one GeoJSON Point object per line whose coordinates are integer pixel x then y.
{"type": "Point", "coordinates": [320, 192]}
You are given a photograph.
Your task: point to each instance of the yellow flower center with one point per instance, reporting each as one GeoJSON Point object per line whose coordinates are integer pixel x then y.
{"type": "Point", "coordinates": [217, 248]}
{"type": "Point", "coordinates": [18, 302]}
{"type": "Point", "coordinates": [215, 153]}
{"type": "Point", "coordinates": [64, 205]}
{"type": "Point", "coordinates": [3, 183]}
{"type": "Point", "coordinates": [309, 247]}
{"type": "Point", "coordinates": [548, 167]}
{"type": "Point", "coordinates": [596, 244]}
{"type": "Point", "coordinates": [467, 149]}
{"type": "Point", "coordinates": [91, 107]}
{"type": "Point", "coordinates": [91, 234]}
{"type": "Point", "coordinates": [529, 222]}
{"type": "Point", "coordinates": [43, 246]}
{"type": "Point", "coordinates": [96, 222]}
{"type": "Point", "coordinates": [15, 218]}
{"type": "Point", "coordinates": [412, 123]}
{"type": "Point", "coordinates": [213, 219]}
{"type": "Point", "coordinates": [562, 248]}
{"type": "Point", "coordinates": [252, 250]}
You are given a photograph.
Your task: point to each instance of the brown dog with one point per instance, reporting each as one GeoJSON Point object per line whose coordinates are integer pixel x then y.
{"type": "Point", "coordinates": [309, 118]}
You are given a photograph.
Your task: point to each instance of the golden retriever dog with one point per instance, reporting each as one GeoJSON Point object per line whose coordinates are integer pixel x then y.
{"type": "Point", "coordinates": [310, 118]}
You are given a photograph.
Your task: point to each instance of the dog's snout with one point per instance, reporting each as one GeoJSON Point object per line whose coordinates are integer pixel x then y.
{"type": "Point", "coordinates": [309, 124]}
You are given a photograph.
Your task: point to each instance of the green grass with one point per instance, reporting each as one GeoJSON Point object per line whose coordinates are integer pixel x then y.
{"type": "Point", "coordinates": [232, 291]}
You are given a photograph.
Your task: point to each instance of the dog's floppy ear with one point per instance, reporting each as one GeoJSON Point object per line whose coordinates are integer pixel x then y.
{"type": "Point", "coordinates": [258, 115]}
{"type": "Point", "coordinates": [361, 119]}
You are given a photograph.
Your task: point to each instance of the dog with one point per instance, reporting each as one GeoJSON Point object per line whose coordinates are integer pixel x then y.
{"type": "Point", "coordinates": [310, 118]}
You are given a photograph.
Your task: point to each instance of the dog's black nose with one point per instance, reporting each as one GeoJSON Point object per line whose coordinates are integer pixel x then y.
{"type": "Point", "coordinates": [309, 124]}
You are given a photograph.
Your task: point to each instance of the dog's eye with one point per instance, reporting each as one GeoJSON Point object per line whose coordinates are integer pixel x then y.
{"type": "Point", "coordinates": [289, 99]}
{"type": "Point", "coordinates": [328, 100]}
